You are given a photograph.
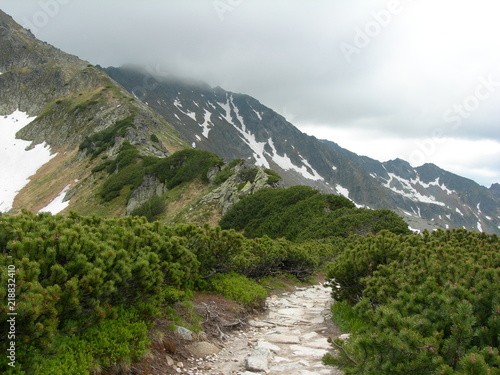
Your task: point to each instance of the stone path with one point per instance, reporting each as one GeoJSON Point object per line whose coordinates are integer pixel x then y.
{"type": "Point", "coordinates": [290, 338]}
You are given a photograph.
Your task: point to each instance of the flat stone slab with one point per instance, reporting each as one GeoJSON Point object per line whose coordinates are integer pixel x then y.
{"type": "Point", "coordinates": [260, 324]}
{"type": "Point", "coordinates": [258, 361]}
{"type": "Point", "coordinates": [283, 339]}
{"type": "Point", "coordinates": [268, 345]}
{"type": "Point", "coordinates": [305, 351]}
{"type": "Point", "coordinates": [293, 311]}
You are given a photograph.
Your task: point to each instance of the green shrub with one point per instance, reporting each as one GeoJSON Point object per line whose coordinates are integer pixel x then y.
{"type": "Point", "coordinates": [301, 213]}
{"type": "Point", "coordinates": [115, 341]}
{"type": "Point", "coordinates": [153, 207]}
{"type": "Point", "coordinates": [273, 177]}
{"type": "Point", "coordinates": [101, 166]}
{"type": "Point", "coordinates": [154, 138]}
{"type": "Point", "coordinates": [131, 176]}
{"type": "Point", "coordinates": [249, 175]}
{"type": "Point", "coordinates": [240, 289]}
{"type": "Point", "coordinates": [86, 283]}
{"type": "Point", "coordinates": [183, 166]}
{"type": "Point", "coordinates": [430, 303]}
{"type": "Point", "coordinates": [101, 141]}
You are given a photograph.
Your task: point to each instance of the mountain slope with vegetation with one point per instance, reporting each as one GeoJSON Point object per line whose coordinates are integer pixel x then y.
{"type": "Point", "coordinates": [71, 101]}
{"type": "Point", "coordinates": [235, 125]}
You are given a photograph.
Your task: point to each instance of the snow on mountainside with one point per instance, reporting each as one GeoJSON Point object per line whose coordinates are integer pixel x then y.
{"type": "Point", "coordinates": [428, 193]}
{"type": "Point", "coordinates": [19, 162]}
{"type": "Point", "coordinates": [239, 126]}
{"type": "Point", "coordinates": [50, 103]}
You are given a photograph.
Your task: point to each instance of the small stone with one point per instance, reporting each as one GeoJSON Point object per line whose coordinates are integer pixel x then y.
{"type": "Point", "coordinates": [170, 361]}
{"type": "Point", "coordinates": [184, 333]}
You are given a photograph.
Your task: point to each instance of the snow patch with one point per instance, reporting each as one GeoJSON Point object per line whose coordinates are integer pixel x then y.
{"type": "Point", "coordinates": [178, 105]}
{"type": "Point", "coordinates": [258, 148]}
{"type": "Point", "coordinates": [460, 212]}
{"type": "Point", "coordinates": [57, 205]}
{"type": "Point", "coordinates": [193, 144]}
{"type": "Point", "coordinates": [409, 191]}
{"type": "Point", "coordinates": [227, 108]}
{"type": "Point", "coordinates": [479, 227]}
{"type": "Point", "coordinates": [286, 163]}
{"type": "Point", "coordinates": [248, 138]}
{"type": "Point", "coordinates": [206, 123]}
{"type": "Point", "coordinates": [342, 190]}
{"type": "Point", "coordinates": [18, 164]}
{"type": "Point", "coordinates": [258, 114]}
{"type": "Point", "coordinates": [433, 183]}
{"type": "Point", "coordinates": [237, 113]}
{"type": "Point", "coordinates": [191, 114]}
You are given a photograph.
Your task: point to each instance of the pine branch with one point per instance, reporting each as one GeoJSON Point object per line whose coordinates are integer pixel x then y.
{"type": "Point", "coordinates": [337, 346]}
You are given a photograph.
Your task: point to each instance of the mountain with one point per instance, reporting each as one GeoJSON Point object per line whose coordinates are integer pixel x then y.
{"type": "Point", "coordinates": [79, 137]}
{"type": "Point", "coordinates": [71, 138]}
{"type": "Point", "coordinates": [235, 125]}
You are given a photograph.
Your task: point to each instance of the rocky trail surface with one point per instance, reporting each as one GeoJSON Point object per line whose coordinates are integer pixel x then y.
{"type": "Point", "coordinates": [289, 338]}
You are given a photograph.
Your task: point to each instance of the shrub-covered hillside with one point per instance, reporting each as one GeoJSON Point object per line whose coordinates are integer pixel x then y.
{"type": "Point", "coordinates": [421, 304]}
{"type": "Point", "coordinates": [302, 213]}
{"type": "Point", "coordinates": [85, 289]}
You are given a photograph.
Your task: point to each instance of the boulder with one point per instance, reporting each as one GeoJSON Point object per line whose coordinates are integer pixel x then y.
{"type": "Point", "coordinates": [258, 361]}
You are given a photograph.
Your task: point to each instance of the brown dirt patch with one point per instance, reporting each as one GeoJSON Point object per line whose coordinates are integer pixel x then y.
{"type": "Point", "coordinates": [219, 317]}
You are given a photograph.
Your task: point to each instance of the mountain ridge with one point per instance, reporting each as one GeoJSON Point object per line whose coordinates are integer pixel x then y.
{"type": "Point", "coordinates": [237, 125]}
{"type": "Point", "coordinates": [107, 109]}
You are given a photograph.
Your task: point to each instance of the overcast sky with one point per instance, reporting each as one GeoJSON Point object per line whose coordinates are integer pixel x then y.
{"type": "Point", "coordinates": [414, 79]}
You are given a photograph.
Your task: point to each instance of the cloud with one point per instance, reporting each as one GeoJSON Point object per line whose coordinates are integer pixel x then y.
{"type": "Point", "coordinates": [415, 61]}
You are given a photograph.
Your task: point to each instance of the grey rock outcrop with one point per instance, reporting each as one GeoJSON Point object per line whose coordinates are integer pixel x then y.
{"type": "Point", "coordinates": [245, 179]}
{"type": "Point", "coordinates": [150, 187]}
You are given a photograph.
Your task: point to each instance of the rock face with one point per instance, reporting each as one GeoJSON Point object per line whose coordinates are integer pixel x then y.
{"type": "Point", "coordinates": [149, 188]}
{"type": "Point", "coordinates": [245, 179]}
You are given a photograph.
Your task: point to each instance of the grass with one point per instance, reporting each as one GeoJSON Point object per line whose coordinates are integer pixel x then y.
{"type": "Point", "coordinates": [345, 317]}
{"type": "Point", "coordinates": [240, 289]}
